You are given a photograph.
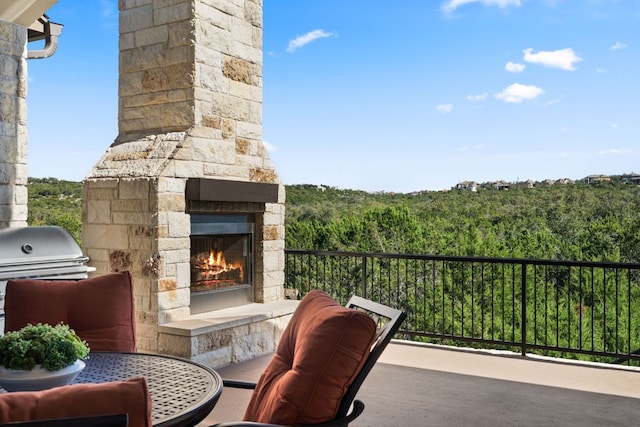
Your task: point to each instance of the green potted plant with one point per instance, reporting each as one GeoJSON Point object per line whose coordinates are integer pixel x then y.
{"type": "Point", "coordinates": [40, 356]}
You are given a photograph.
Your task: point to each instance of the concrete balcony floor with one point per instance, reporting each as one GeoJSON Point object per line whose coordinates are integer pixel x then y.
{"type": "Point", "coordinates": [427, 385]}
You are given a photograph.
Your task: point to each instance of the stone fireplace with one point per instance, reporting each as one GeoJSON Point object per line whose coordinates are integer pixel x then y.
{"type": "Point", "coordinates": [186, 197]}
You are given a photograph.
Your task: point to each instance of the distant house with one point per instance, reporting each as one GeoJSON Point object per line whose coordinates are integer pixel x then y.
{"type": "Point", "coordinates": [467, 185]}
{"type": "Point", "coordinates": [501, 185]}
{"type": "Point", "coordinates": [564, 181]}
{"type": "Point", "coordinates": [529, 184]}
{"type": "Point", "coordinates": [633, 178]}
{"type": "Point", "coordinates": [592, 179]}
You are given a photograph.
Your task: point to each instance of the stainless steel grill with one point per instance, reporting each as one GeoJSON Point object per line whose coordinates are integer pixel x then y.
{"type": "Point", "coordinates": [47, 252]}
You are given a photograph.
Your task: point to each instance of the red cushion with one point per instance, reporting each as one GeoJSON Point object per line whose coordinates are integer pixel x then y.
{"type": "Point", "coordinates": [80, 400]}
{"type": "Point", "coordinates": [99, 309]}
{"type": "Point", "coordinates": [321, 351]}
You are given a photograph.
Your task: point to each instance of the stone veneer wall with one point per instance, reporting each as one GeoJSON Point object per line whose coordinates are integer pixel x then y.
{"type": "Point", "coordinates": [13, 125]}
{"type": "Point", "coordinates": [190, 106]}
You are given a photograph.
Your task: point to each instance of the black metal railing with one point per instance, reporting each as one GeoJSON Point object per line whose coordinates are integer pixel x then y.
{"type": "Point", "coordinates": [571, 309]}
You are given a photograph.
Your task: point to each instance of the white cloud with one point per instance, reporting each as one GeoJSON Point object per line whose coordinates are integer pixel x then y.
{"type": "Point", "coordinates": [480, 97]}
{"type": "Point", "coordinates": [514, 67]}
{"type": "Point", "coordinates": [601, 70]}
{"type": "Point", "coordinates": [516, 93]}
{"type": "Point", "coordinates": [451, 5]}
{"type": "Point", "coordinates": [618, 46]}
{"type": "Point", "coordinates": [301, 41]}
{"type": "Point", "coordinates": [444, 108]}
{"type": "Point", "coordinates": [269, 146]}
{"type": "Point", "coordinates": [614, 126]}
{"type": "Point", "coordinates": [564, 59]}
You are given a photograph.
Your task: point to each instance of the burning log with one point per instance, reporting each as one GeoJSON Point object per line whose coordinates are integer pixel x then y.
{"type": "Point", "coordinates": [210, 271]}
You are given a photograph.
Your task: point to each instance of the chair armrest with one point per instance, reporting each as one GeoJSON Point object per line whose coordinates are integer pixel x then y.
{"type": "Point", "coordinates": [238, 384]}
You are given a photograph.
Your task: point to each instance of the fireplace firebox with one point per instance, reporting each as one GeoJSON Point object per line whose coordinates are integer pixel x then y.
{"type": "Point", "coordinates": [221, 261]}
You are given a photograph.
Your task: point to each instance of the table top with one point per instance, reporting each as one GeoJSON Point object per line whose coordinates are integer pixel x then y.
{"type": "Point", "coordinates": [182, 392]}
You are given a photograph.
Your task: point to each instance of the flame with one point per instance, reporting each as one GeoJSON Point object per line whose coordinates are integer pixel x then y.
{"type": "Point", "coordinates": [214, 267]}
{"type": "Point", "coordinates": [216, 259]}
{"type": "Point", "coordinates": [216, 263]}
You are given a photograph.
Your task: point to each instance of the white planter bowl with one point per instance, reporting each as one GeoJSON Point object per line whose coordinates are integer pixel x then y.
{"type": "Point", "coordinates": [38, 378]}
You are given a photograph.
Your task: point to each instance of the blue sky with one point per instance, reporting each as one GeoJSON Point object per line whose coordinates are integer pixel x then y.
{"type": "Point", "coordinates": [380, 95]}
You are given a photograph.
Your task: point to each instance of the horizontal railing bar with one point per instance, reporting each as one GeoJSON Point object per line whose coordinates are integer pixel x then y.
{"type": "Point", "coordinates": [491, 260]}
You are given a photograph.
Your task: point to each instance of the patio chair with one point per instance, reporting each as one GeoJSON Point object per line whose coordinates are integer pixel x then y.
{"type": "Point", "coordinates": [99, 309]}
{"type": "Point", "coordinates": [115, 403]}
{"type": "Point", "coordinates": [323, 357]}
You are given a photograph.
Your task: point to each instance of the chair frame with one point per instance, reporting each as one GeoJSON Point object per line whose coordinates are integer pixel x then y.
{"type": "Point", "coordinates": [388, 321]}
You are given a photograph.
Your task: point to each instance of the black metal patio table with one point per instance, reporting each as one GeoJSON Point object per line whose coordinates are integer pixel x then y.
{"type": "Point", "coordinates": [182, 392]}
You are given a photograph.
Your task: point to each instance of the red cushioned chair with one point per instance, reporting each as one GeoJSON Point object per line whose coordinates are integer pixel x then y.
{"type": "Point", "coordinates": [323, 357]}
{"type": "Point", "coordinates": [99, 309]}
{"type": "Point", "coordinates": [76, 402]}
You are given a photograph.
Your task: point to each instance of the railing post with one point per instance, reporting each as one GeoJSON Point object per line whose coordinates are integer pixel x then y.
{"type": "Point", "coordinates": [523, 310]}
{"type": "Point", "coordinates": [364, 276]}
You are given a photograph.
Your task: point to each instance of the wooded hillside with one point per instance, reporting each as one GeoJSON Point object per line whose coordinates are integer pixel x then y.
{"type": "Point", "coordinates": [595, 222]}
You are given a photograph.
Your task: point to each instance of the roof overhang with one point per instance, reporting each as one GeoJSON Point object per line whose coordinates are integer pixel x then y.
{"type": "Point", "coordinates": [24, 12]}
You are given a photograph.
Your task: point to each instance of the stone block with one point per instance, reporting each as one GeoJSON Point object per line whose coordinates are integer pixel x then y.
{"type": "Point", "coordinates": [249, 130]}
{"type": "Point", "coordinates": [176, 12]}
{"type": "Point", "coordinates": [225, 105]}
{"type": "Point", "coordinates": [134, 189]}
{"type": "Point", "coordinates": [215, 339]}
{"type": "Point", "coordinates": [242, 31]}
{"type": "Point", "coordinates": [183, 275]}
{"type": "Point", "coordinates": [105, 236]}
{"type": "Point", "coordinates": [133, 218]}
{"type": "Point", "coordinates": [174, 315]}
{"type": "Point", "coordinates": [170, 244]}
{"type": "Point", "coordinates": [214, 359]}
{"type": "Point", "coordinates": [153, 35]}
{"type": "Point", "coordinates": [169, 300]}
{"type": "Point", "coordinates": [176, 257]}
{"type": "Point", "coordinates": [176, 345]}
{"type": "Point", "coordinates": [251, 346]}
{"type": "Point", "coordinates": [188, 169]}
{"type": "Point", "coordinates": [98, 211]}
{"type": "Point", "coordinates": [128, 205]}
{"type": "Point", "coordinates": [171, 202]}
{"type": "Point", "coordinates": [218, 13]}
{"type": "Point", "coordinates": [171, 185]}
{"type": "Point", "coordinates": [137, 18]}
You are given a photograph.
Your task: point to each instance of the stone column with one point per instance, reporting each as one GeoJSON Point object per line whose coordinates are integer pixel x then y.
{"type": "Point", "coordinates": [190, 106]}
{"type": "Point", "coordinates": [13, 125]}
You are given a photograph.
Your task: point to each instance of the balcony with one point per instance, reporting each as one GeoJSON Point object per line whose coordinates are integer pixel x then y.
{"type": "Point", "coordinates": [424, 384]}
{"type": "Point", "coordinates": [552, 341]}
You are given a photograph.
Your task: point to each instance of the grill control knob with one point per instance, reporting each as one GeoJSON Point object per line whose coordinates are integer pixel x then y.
{"type": "Point", "coordinates": [27, 248]}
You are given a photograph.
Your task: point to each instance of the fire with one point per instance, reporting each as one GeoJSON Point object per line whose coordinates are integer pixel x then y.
{"type": "Point", "coordinates": [216, 260]}
{"type": "Point", "coordinates": [215, 267]}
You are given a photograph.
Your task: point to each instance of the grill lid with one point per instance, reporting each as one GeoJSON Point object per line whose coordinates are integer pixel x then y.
{"type": "Point", "coordinates": [31, 248]}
